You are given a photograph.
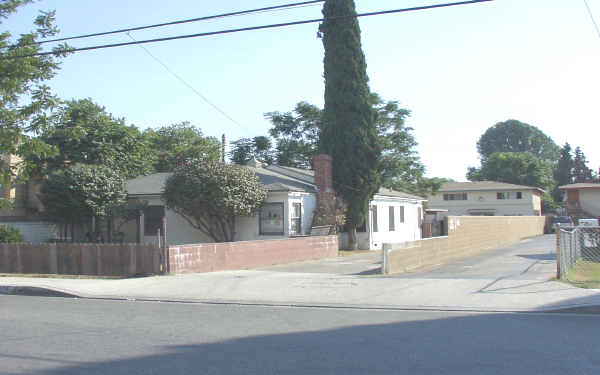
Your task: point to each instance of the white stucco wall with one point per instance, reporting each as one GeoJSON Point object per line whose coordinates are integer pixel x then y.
{"type": "Point", "coordinates": [409, 230]}
{"type": "Point", "coordinates": [247, 228]}
{"type": "Point", "coordinates": [590, 201]}
{"type": "Point", "coordinates": [487, 200]}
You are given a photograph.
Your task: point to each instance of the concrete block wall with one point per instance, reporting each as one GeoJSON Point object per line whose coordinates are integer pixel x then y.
{"type": "Point", "coordinates": [208, 257]}
{"type": "Point", "coordinates": [80, 259]}
{"type": "Point", "coordinates": [467, 236]}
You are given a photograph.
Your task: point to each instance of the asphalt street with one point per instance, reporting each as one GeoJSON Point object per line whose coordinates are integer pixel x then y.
{"type": "Point", "coordinates": [75, 336]}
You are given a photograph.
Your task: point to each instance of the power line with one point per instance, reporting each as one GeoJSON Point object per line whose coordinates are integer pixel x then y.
{"type": "Point", "coordinates": [251, 28]}
{"type": "Point", "coordinates": [206, 18]}
{"type": "Point", "coordinates": [189, 86]}
{"type": "Point", "coordinates": [592, 17]}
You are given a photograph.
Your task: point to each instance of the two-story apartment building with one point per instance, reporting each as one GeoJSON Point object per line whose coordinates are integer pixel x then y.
{"type": "Point", "coordinates": [582, 199]}
{"type": "Point", "coordinates": [487, 198]}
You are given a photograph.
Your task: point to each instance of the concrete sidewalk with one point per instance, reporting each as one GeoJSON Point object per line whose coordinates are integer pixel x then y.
{"type": "Point", "coordinates": [512, 279]}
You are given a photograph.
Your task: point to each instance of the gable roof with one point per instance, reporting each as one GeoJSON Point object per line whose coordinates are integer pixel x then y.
{"type": "Point", "coordinates": [577, 186]}
{"type": "Point", "coordinates": [483, 186]}
{"type": "Point", "coordinates": [271, 181]}
{"type": "Point", "coordinates": [274, 178]}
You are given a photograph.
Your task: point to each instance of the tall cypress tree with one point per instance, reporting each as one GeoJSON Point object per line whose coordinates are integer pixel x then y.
{"type": "Point", "coordinates": [349, 133]}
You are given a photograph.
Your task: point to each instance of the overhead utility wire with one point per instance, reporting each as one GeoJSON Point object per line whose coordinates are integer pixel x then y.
{"type": "Point", "coordinates": [189, 86]}
{"type": "Point", "coordinates": [251, 28]}
{"type": "Point", "coordinates": [592, 17]}
{"type": "Point", "coordinates": [206, 18]}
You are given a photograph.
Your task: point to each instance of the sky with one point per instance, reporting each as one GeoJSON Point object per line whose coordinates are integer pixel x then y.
{"type": "Point", "coordinates": [459, 70]}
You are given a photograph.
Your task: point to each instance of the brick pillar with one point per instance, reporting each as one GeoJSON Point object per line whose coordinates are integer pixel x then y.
{"type": "Point", "coordinates": [325, 193]}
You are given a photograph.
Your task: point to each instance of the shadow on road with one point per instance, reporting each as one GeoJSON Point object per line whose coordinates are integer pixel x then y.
{"type": "Point", "coordinates": [538, 256]}
{"type": "Point", "coordinates": [469, 344]}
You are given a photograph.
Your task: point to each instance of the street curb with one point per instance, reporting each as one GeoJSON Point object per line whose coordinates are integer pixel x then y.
{"type": "Point", "coordinates": [34, 291]}
{"type": "Point", "coordinates": [48, 292]}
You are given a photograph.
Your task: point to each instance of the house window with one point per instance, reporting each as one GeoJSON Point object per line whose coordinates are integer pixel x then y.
{"type": "Point", "coordinates": [153, 219]}
{"type": "Point", "coordinates": [296, 218]}
{"type": "Point", "coordinates": [420, 218]}
{"type": "Point", "coordinates": [455, 197]}
{"type": "Point", "coordinates": [271, 219]}
{"type": "Point", "coordinates": [392, 219]}
{"type": "Point", "coordinates": [509, 195]}
{"type": "Point", "coordinates": [402, 214]}
{"type": "Point", "coordinates": [374, 216]}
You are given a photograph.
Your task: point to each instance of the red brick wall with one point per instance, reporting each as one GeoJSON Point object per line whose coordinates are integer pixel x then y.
{"type": "Point", "coordinates": [210, 257]}
{"type": "Point", "coordinates": [325, 193]}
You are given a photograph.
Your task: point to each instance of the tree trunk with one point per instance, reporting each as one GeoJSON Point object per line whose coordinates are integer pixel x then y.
{"type": "Point", "coordinates": [352, 240]}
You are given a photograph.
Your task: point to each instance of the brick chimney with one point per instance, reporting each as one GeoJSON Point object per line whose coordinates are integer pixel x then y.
{"type": "Point", "coordinates": [325, 214]}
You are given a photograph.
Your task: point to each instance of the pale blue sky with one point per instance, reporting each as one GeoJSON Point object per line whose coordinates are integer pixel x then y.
{"type": "Point", "coordinates": [459, 70]}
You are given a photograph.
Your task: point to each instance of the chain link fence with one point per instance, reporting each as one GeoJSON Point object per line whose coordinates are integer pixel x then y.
{"type": "Point", "coordinates": [578, 255]}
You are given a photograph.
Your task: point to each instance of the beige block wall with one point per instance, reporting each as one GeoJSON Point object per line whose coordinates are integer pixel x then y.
{"type": "Point", "coordinates": [467, 236]}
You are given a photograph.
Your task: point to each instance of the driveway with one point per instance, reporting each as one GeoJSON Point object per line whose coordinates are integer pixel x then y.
{"type": "Point", "coordinates": [530, 259]}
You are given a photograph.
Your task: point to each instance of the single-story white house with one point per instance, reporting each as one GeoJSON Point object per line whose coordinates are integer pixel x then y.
{"type": "Point", "coordinates": [287, 212]}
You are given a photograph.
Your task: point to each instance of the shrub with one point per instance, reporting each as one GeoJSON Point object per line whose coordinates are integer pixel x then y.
{"type": "Point", "coordinates": [10, 234]}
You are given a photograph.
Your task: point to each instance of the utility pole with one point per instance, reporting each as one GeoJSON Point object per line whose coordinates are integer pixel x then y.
{"type": "Point", "coordinates": [223, 148]}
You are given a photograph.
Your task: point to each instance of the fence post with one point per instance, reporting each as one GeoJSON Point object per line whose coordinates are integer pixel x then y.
{"type": "Point", "coordinates": [165, 245]}
{"type": "Point", "coordinates": [558, 251]}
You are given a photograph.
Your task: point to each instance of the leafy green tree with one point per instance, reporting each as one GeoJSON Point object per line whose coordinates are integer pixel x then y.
{"type": "Point", "coordinates": [84, 132]}
{"type": "Point", "coordinates": [581, 172]}
{"type": "Point", "coordinates": [244, 149]}
{"type": "Point", "coordinates": [81, 192]}
{"type": "Point", "coordinates": [210, 195]}
{"type": "Point", "coordinates": [179, 143]}
{"type": "Point", "coordinates": [25, 99]}
{"type": "Point", "coordinates": [515, 136]}
{"type": "Point", "coordinates": [10, 235]}
{"type": "Point", "coordinates": [297, 135]}
{"type": "Point", "coordinates": [520, 168]}
{"type": "Point", "coordinates": [563, 173]}
{"type": "Point", "coordinates": [349, 133]}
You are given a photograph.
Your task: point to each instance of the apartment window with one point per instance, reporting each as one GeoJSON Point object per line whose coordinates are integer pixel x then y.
{"type": "Point", "coordinates": [392, 220]}
{"type": "Point", "coordinates": [153, 219]}
{"type": "Point", "coordinates": [455, 197]}
{"type": "Point", "coordinates": [374, 216]}
{"type": "Point", "coordinates": [402, 214]}
{"type": "Point", "coordinates": [509, 195]}
{"type": "Point", "coordinates": [271, 219]}
{"type": "Point", "coordinates": [296, 218]}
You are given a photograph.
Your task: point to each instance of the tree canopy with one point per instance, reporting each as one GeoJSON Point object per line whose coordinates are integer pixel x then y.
{"type": "Point", "coordinates": [176, 144]}
{"type": "Point", "coordinates": [244, 149]}
{"type": "Point", "coordinates": [25, 99]}
{"type": "Point", "coordinates": [297, 136]}
{"type": "Point", "coordinates": [520, 168]}
{"type": "Point", "coordinates": [83, 132]}
{"type": "Point", "coordinates": [516, 136]}
{"type": "Point", "coordinates": [81, 191]}
{"type": "Point", "coordinates": [210, 195]}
